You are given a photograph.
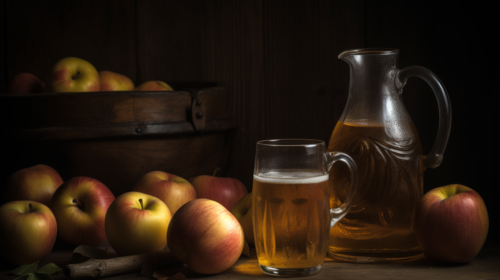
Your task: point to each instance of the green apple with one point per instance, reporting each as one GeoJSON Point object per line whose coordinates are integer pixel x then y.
{"type": "Point", "coordinates": [28, 230]}
{"type": "Point", "coordinates": [154, 86]}
{"type": "Point", "coordinates": [72, 74]}
{"type": "Point", "coordinates": [137, 223]}
{"type": "Point", "coordinates": [111, 81]}
{"type": "Point", "coordinates": [242, 211]}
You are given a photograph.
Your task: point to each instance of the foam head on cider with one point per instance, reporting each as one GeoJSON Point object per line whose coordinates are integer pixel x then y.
{"type": "Point", "coordinates": [291, 177]}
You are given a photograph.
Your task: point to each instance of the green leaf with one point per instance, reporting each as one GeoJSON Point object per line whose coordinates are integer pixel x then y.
{"type": "Point", "coordinates": [49, 269]}
{"type": "Point", "coordinates": [25, 269]}
{"type": "Point", "coordinates": [39, 276]}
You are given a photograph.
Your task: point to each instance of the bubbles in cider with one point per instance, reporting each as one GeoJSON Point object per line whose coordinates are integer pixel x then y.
{"type": "Point", "coordinates": [291, 218]}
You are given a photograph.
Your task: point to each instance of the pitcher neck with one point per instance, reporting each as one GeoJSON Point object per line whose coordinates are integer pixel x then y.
{"type": "Point", "coordinates": [372, 71]}
{"type": "Point", "coordinates": [373, 96]}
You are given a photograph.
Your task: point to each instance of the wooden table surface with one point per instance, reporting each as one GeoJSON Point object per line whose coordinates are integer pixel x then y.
{"type": "Point", "coordinates": [486, 265]}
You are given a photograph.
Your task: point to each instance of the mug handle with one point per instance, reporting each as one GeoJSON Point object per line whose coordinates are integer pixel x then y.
{"type": "Point", "coordinates": [435, 157]}
{"type": "Point", "coordinates": [338, 213]}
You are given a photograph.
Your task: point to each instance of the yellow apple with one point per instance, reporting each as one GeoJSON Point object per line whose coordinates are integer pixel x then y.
{"type": "Point", "coordinates": [137, 223]}
{"type": "Point", "coordinates": [111, 81]}
{"type": "Point", "coordinates": [28, 230]}
{"type": "Point", "coordinates": [171, 189]}
{"type": "Point", "coordinates": [154, 86]}
{"type": "Point", "coordinates": [72, 74]}
{"type": "Point", "coordinates": [242, 211]}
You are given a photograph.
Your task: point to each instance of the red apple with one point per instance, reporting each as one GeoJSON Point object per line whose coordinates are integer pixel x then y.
{"type": "Point", "coordinates": [171, 189]}
{"type": "Point", "coordinates": [226, 191]}
{"type": "Point", "coordinates": [28, 231]}
{"type": "Point", "coordinates": [36, 183]}
{"type": "Point", "coordinates": [137, 223]}
{"type": "Point", "coordinates": [451, 223]}
{"type": "Point", "coordinates": [242, 211]}
{"type": "Point", "coordinates": [80, 206]}
{"type": "Point", "coordinates": [111, 81]}
{"type": "Point", "coordinates": [154, 86]}
{"type": "Point", "coordinates": [206, 236]}
{"type": "Point", "coordinates": [73, 74]}
{"type": "Point", "coordinates": [26, 83]}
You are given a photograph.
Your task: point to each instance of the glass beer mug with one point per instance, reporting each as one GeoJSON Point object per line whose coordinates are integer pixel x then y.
{"type": "Point", "coordinates": [377, 132]}
{"type": "Point", "coordinates": [291, 208]}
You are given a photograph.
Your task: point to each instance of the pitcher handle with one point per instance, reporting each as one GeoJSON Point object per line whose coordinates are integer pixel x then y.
{"type": "Point", "coordinates": [338, 213]}
{"type": "Point", "coordinates": [435, 157]}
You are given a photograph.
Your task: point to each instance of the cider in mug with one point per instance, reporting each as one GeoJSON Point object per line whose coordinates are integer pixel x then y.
{"type": "Point", "coordinates": [291, 204]}
{"type": "Point", "coordinates": [292, 217]}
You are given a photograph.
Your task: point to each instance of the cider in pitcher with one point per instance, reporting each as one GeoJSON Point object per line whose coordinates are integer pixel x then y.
{"type": "Point", "coordinates": [378, 133]}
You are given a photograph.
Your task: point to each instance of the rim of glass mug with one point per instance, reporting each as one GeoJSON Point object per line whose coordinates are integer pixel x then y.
{"type": "Point", "coordinates": [291, 142]}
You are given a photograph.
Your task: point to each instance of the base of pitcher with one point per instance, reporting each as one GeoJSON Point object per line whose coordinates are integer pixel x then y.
{"type": "Point", "coordinates": [290, 272]}
{"type": "Point", "coordinates": [375, 257]}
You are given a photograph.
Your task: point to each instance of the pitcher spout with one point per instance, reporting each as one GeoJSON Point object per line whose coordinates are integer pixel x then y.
{"type": "Point", "coordinates": [370, 59]}
{"type": "Point", "coordinates": [372, 70]}
{"type": "Point", "coordinates": [380, 51]}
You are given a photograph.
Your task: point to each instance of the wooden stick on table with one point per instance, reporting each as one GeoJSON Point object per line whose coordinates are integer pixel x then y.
{"type": "Point", "coordinates": [97, 268]}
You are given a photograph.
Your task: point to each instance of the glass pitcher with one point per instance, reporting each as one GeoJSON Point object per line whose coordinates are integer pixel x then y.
{"type": "Point", "coordinates": [377, 132]}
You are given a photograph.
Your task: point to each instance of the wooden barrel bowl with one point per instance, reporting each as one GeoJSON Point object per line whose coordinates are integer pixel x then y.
{"type": "Point", "coordinates": [117, 137]}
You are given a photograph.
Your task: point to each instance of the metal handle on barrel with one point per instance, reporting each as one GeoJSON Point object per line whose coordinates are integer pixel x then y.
{"type": "Point", "coordinates": [338, 213]}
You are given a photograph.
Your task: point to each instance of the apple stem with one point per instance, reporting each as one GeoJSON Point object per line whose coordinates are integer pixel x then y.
{"type": "Point", "coordinates": [142, 206]}
{"type": "Point", "coordinates": [77, 202]}
{"type": "Point", "coordinates": [30, 207]}
{"type": "Point", "coordinates": [76, 75]}
{"type": "Point", "coordinates": [215, 171]}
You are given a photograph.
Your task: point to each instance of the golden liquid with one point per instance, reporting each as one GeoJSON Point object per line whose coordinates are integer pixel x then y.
{"type": "Point", "coordinates": [379, 225]}
{"type": "Point", "coordinates": [291, 219]}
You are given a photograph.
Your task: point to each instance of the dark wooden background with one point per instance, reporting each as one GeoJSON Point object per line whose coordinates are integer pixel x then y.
{"type": "Point", "coordinates": [280, 59]}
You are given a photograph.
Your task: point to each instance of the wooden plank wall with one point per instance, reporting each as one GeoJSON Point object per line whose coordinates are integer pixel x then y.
{"type": "Point", "coordinates": [280, 59]}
